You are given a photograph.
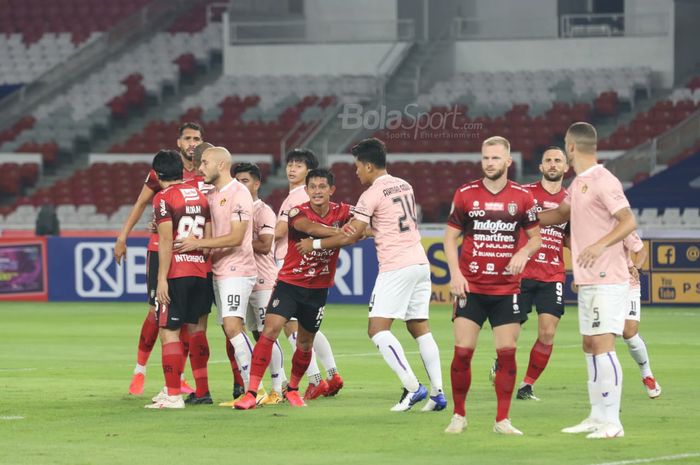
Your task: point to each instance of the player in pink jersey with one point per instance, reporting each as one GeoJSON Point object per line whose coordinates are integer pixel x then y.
{"type": "Point", "coordinates": [183, 290]}
{"type": "Point", "coordinates": [302, 286]}
{"type": "Point", "coordinates": [402, 290]}
{"type": "Point", "coordinates": [600, 218]}
{"type": "Point", "coordinates": [189, 137]}
{"type": "Point", "coordinates": [264, 220]}
{"type": "Point", "coordinates": [233, 261]}
{"type": "Point", "coordinates": [543, 278]}
{"type": "Point", "coordinates": [298, 164]}
{"type": "Point", "coordinates": [636, 256]}
{"type": "Point", "coordinates": [490, 215]}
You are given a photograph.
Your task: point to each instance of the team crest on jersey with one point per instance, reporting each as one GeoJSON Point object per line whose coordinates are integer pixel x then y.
{"type": "Point", "coordinates": [512, 208]}
{"type": "Point", "coordinates": [222, 203]}
{"type": "Point", "coordinates": [584, 188]}
{"type": "Point", "coordinates": [275, 303]}
{"type": "Point", "coordinates": [293, 212]}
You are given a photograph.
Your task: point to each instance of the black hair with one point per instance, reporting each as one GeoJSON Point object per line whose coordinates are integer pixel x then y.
{"type": "Point", "coordinates": [168, 165]}
{"type": "Point", "coordinates": [251, 168]}
{"type": "Point", "coordinates": [321, 173]}
{"type": "Point", "coordinates": [303, 155]}
{"type": "Point", "coordinates": [370, 150]}
{"type": "Point", "coordinates": [190, 125]}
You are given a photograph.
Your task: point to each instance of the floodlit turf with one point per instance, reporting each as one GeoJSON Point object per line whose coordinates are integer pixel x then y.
{"type": "Point", "coordinates": [65, 370]}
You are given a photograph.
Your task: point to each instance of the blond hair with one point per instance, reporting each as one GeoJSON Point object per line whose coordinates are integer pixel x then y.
{"type": "Point", "coordinates": [497, 140]}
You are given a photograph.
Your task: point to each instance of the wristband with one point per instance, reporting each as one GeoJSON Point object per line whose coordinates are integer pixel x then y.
{"type": "Point", "coordinates": [316, 244]}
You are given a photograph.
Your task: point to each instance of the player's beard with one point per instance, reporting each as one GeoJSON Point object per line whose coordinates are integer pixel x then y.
{"type": "Point", "coordinates": [497, 175]}
{"type": "Point", "coordinates": [212, 179]}
{"type": "Point", "coordinates": [553, 178]}
{"type": "Point", "coordinates": [186, 155]}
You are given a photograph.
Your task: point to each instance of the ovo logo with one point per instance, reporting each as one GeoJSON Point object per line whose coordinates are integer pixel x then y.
{"type": "Point", "coordinates": [666, 255]}
{"type": "Point", "coordinates": [693, 253]}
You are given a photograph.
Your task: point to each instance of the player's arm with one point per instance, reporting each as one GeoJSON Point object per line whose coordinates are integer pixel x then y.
{"type": "Point", "coordinates": [459, 287]}
{"type": "Point", "coordinates": [263, 244]}
{"type": "Point", "coordinates": [626, 223]}
{"type": "Point", "coordinates": [165, 253]}
{"type": "Point", "coordinates": [232, 239]}
{"type": "Point", "coordinates": [281, 230]}
{"type": "Point", "coordinates": [558, 215]}
{"type": "Point", "coordinates": [334, 241]}
{"type": "Point", "coordinates": [519, 259]}
{"type": "Point", "coordinates": [144, 199]}
{"type": "Point", "coordinates": [638, 258]}
{"type": "Point", "coordinates": [207, 235]}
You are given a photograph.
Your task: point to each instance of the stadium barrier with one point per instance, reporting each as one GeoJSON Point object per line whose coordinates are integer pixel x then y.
{"type": "Point", "coordinates": [83, 268]}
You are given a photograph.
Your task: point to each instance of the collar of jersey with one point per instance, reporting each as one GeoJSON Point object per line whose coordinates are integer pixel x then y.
{"type": "Point", "coordinates": [590, 169]}
{"type": "Point", "coordinates": [228, 185]}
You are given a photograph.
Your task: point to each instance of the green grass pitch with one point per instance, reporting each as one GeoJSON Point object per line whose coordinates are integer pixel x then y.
{"type": "Point", "coordinates": [65, 369]}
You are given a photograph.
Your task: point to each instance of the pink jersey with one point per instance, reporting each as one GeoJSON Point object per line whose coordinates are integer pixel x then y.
{"type": "Point", "coordinates": [595, 196]}
{"type": "Point", "coordinates": [264, 221]}
{"type": "Point", "coordinates": [389, 207]}
{"type": "Point", "coordinates": [632, 243]}
{"type": "Point", "coordinates": [232, 203]}
{"type": "Point", "coordinates": [296, 197]}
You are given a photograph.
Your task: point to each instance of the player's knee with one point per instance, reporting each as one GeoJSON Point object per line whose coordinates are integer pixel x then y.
{"type": "Point", "coordinates": [629, 333]}
{"type": "Point", "coordinates": [546, 335]}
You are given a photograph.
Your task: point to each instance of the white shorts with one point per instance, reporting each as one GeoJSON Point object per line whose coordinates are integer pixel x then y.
{"type": "Point", "coordinates": [602, 308]}
{"type": "Point", "coordinates": [232, 295]}
{"type": "Point", "coordinates": [402, 294]}
{"type": "Point", "coordinates": [634, 309]}
{"type": "Point", "coordinates": [257, 304]}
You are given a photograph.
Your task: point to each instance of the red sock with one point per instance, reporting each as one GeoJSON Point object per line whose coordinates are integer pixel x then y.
{"type": "Point", "coordinates": [300, 362]}
{"type": "Point", "coordinates": [262, 355]}
{"type": "Point", "coordinates": [505, 381]}
{"type": "Point", "coordinates": [539, 356]}
{"type": "Point", "coordinates": [199, 356]}
{"type": "Point", "coordinates": [185, 339]}
{"type": "Point", "coordinates": [149, 334]}
{"type": "Point", "coordinates": [461, 376]}
{"type": "Point", "coordinates": [172, 366]}
{"type": "Point", "coordinates": [237, 378]}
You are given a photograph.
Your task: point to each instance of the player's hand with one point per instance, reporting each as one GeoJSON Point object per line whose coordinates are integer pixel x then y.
{"type": "Point", "coordinates": [348, 230]}
{"type": "Point", "coordinates": [152, 227]}
{"type": "Point", "coordinates": [517, 262]}
{"type": "Point", "coordinates": [186, 244]}
{"type": "Point", "coordinates": [162, 292]}
{"type": "Point", "coordinates": [634, 272]}
{"type": "Point", "coordinates": [119, 250]}
{"type": "Point", "coordinates": [589, 255]}
{"type": "Point", "coordinates": [305, 246]}
{"type": "Point", "coordinates": [459, 287]}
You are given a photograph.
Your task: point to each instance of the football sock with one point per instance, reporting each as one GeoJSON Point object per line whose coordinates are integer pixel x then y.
{"type": "Point", "coordinates": [147, 339]}
{"type": "Point", "coordinates": [461, 377]}
{"type": "Point", "coordinates": [243, 351]}
{"type": "Point", "coordinates": [277, 367]}
{"type": "Point", "coordinates": [185, 339]}
{"type": "Point", "coordinates": [394, 356]}
{"type": "Point", "coordinates": [610, 382]}
{"type": "Point", "coordinates": [323, 351]}
{"type": "Point", "coordinates": [539, 357]}
{"type": "Point", "coordinates": [431, 359]}
{"type": "Point", "coordinates": [313, 372]}
{"type": "Point", "coordinates": [505, 381]}
{"type": "Point", "coordinates": [231, 354]}
{"type": "Point", "coordinates": [638, 351]}
{"type": "Point", "coordinates": [172, 366]}
{"type": "Point", "coordinates": [262, 355]}
{"type": "Point", "coordinates": [597, 412]}
{"type": "Point", "coordinates": [199, 357]}
{"type": "Point", "coordinates": [300, 364]}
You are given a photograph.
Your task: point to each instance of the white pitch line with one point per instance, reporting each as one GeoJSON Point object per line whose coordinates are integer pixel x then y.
{"type": "Point", "coordinates": [12, 417]}
{"type": "Point", "coordinates": [665, 458]}
{"type": "Point", "coordinates": [13, 370]}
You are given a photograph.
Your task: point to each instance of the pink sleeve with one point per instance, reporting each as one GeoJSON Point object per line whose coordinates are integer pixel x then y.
{"type": "Point", "coordinates": [612, 195]}
{"type": "Point", "coordinates": [242, 206]}
{"type": "Point", "coordinates": [284, 211]}
{"type": "Point", "coordinates": [365, 207]}
{"type": "Point", "coordinates": [266, 220]}
{"type": "Point", "coordinates": [633, 242]}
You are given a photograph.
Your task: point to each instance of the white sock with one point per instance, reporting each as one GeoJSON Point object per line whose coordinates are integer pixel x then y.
{"type": "Point", "coordinates": [324, 352]}
{"type": "Point", "coordinates": [393, 354]}
{"type": "Point", "coordinates": [610, 382]}
{"type": "Point", "coordinates": [277, 368]}
{"type": "Point", "coordinates": [638, 351]}
{"type": "Point", "coordinates": [597, 412]}
{"type": "Point", "coordinates": [431, 359]}
{"type": "Point", "coordinates": [313, 372]}
{"type": "Point", "coordinates": [243, 350]}
{"type": "Point", "coordinates": [140, 369]}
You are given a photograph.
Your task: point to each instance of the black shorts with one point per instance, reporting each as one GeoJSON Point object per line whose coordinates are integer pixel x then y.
{"type": "Point", "coordinates": [547, 298]}
{"type": "Point", "coordinates": [151, 276]}
{"type": "Point", "coordinates": [189, 299]}
{"type": "Point", "coordinates": [499, 309]}
{"type": "Point", "coordinates": [307, 305]}
{"type": "Point", "coordinates": [206, 309]}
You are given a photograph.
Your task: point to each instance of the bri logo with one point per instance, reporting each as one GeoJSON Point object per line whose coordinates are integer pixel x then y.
{"type": "Point", "coordinates": [98, 276]}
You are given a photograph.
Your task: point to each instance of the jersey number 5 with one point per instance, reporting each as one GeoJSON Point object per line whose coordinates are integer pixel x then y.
{"type": "Point", "coordinates": [408, 205]}
{"type": "Point", "coordinates": [191, 226]}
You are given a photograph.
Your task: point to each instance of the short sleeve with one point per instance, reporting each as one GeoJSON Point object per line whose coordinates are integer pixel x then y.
{"type": "Point", "coordinates": [267, 222]}
{"type": "Point", "coordinates": [633, 242]}
{"type": "Point", "coordinates": [283, 214]}
{"type": "Point", "coordinates": [530, 219]}
{"type": "Point", "coordinates": [612, 195]}
{"type": "Point", "coordinates": [457, 217]}
{"type": "Point", "coordinates": [294, 215]}
{"type": "Point", "coordinates": [242, 209]}
{"type": "Point", "coordinates": [365, 207]}
{"type": "Point", "coordinates": [162, 209]}
{"type": "Point", "coordinates": [151, 181]}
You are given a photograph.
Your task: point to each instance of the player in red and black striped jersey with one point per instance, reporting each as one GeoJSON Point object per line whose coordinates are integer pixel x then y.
{"type": "Point", "coordinates": [183, 293]}
{"type": "Point", "coordinates": [544, 276]}
{"type": "Point", "coordinates": [190, 136]}
{"type": "Point", "coordinates": [490, 214]}
{"type": "Point", "coordinates": [302, 286]}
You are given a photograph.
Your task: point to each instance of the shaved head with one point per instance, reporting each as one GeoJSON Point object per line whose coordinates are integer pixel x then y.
{"type": "Point", "coordinates": [216, 164]}
{"type": "Point", "coordinates": [583, 136]}
{"type": "Point", "coordinates": [218, 155]}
